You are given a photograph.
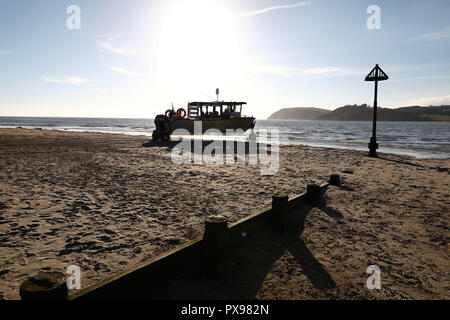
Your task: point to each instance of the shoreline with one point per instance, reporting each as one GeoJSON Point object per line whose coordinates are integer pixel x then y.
{"type": "Point", "coordinates": [393, 151]}
{"type": "Point", "coordinates": [105, 203]}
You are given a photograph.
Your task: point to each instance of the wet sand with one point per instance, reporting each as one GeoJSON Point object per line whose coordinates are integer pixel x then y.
{"type": "Point", "coordinates": [104, 202]}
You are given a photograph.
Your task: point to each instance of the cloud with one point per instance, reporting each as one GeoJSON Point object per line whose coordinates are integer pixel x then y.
{"type": "Point", "coordinates": [108, 36]}
{"type": "Point", "coordinates": [323, 70]}
{"type": "Point", "coordinates": [65, 79]}
{"type": "Point", "coordinates": [290, 71]}
{"type": "Point", "coordinates": [99, 90]}
{"type": "Point", "coordinates": [109, 48]}
{"type": "Point", "coordinates": [289, 6]}
{"type": "Point", "coordinates": [5, 52]}
{"type": "Point", "coordinates": [272, 70]}
{"type": "Point", "coordinates": [437, 35]}
{"type": "Point", "coordinates": [340, 71]}
{"type": "Point", "coordinates": [107, 43]}
{"type": "Point", "coordinates": [422, 78]}
{"type": "Point", "coordinates": [431, 100]}
{"type": "Point", "coordinates": [123, 71]}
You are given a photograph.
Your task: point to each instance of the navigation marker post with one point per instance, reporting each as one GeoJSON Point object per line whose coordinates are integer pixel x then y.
{"type": "Point", "coordinates": [375, 75]}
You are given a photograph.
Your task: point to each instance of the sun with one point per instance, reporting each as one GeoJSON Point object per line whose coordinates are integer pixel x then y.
{"type": "Point", "coordinates": [198, 44]}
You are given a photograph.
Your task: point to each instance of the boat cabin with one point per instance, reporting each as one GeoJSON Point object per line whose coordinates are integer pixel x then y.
{"type": "Point", "coordinates": [214, 110]}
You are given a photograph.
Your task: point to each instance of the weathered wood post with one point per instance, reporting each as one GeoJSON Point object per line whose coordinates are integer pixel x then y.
{"type": "Point", "coordinates": [313, 194]}
{"type": "Point", "coordinates": [45, 286]}
{"type": "Point", "coordinates": [278, 215]}
{"type": "Point", "coordinates": [335, 180]}
{"type": "Point", "coordinates": [215, 241]}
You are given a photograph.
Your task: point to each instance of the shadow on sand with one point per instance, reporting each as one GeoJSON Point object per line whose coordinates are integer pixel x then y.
{"type": "Point", "coordinates": [329, 211]}
{"type": "Point", "coordinates": [199, 146]}
{"type": "Point", "coordinates": [408, 163]}
{"type": "Point", "coordinates": [250, 265]}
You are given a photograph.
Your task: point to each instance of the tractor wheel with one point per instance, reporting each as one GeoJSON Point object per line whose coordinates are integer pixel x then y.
{"type": "Point", "coordinates": [165, 137]}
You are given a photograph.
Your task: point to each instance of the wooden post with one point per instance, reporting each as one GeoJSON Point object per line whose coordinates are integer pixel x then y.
{"type": "Point", "coordinates": [314, 194]}
{"type": "Point", "coordinates": [335, 180]}
{"type": "Point", "coordinates": [215, 226]}
{"type": "Point", "coordinates": [45, 286]}
{"type": "Point", "coordinates": [215, 243]}
{"type": "Point", "coordinates": [278, 215]}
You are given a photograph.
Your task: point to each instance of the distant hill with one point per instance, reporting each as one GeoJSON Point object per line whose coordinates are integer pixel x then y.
{"type": "Point", "coordinates": [365, 113]}
{"type": "Point", "coordinates": [299, 113]}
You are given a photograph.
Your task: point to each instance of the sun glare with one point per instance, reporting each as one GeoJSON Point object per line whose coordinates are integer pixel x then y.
{"type": "Point", "coordinates": [198, 44]}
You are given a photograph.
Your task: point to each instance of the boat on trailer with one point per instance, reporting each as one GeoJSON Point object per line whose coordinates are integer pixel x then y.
{"type": "Point", "coordinates": [219, 115]}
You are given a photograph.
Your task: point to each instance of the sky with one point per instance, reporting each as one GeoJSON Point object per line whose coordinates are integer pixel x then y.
{"type": "Point", "coordinates": [133, 59]}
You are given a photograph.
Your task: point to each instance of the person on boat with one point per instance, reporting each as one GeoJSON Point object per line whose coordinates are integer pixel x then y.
{"type": "Point", "coordinates": [226, 114]}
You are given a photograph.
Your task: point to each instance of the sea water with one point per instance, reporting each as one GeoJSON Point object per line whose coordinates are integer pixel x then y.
{"type": "Point", "coordinates": [419, 139]}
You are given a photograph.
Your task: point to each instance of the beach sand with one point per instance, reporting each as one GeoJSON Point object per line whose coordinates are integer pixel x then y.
{"type": "Point", "coordinates": [105, 203]}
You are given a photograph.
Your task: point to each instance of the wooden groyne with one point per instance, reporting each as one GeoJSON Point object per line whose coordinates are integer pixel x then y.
{"type": "Point", "coordinates": [204, 255]}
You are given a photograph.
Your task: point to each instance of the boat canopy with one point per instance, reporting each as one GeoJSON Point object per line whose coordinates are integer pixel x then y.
{"type": "Point", "coordinates": [199, 110]}
{"type": "Point", "coordinates": [215, 103]}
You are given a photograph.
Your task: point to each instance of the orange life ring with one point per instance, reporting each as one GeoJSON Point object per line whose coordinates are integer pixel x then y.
{"type": "Point", "coordinates": [181, 113]}
{"type": "Point", "coordinates": [167, 114]}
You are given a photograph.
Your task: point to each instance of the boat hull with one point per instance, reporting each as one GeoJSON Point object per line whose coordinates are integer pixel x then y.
{"type": "Point", "coordinates": [221, 125]}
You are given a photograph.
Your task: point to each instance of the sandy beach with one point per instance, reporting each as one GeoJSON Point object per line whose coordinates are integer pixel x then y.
{"type": "Point", "coordinates": [105, 203]}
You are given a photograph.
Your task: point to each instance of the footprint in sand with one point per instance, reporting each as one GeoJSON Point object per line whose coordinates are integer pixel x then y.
{"type": "Point", "coordinates": [105, 239]}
